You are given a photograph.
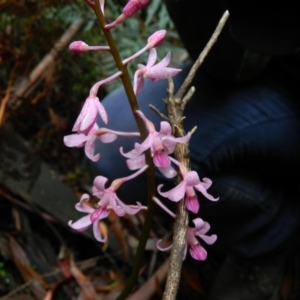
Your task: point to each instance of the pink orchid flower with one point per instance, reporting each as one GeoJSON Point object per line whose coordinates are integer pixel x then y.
{"type": "Point", "coordinates": [88, 140]}
{"type": "Point", "coordinates": [161, 143]}
{"type": "Point", "coordinates": [109, 198]}
{"type": "Point", "coordinates": [88, 115]}
{"type": "Point", "coordinates": [152, 71]}
{"type": "Point", "coordinates": [94, 215]}
{"type": "Point", "coordinates": [92, 106]}
{"type": "Point", "coordinates": [192, 244]}
{"type": "Point", "coordinates": [108, 201]}
{"type": "Point", "coordinates": [190, 182]}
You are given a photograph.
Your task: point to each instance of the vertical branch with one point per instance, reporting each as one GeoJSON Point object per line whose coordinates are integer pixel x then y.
{"type": "Point", "coordinates": [150, 171]}
{"type": "Point", "coordinates": [175, 105]}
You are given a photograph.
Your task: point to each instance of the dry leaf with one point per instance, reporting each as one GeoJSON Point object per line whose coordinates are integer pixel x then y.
{"type": "Point", "coordinates": [117, 229]}
{"type": "Point", "coordinates": [87, 289]}
{"type": "Point", "coordinates": [21, 261]}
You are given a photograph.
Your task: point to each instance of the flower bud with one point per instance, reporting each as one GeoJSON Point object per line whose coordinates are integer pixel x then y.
{"type": "Point", "coordinates": [134, 6]}
{"type": "Point", "coordinates": [79, 47]}
{"type": "Point", "coordinates": [156, 38]}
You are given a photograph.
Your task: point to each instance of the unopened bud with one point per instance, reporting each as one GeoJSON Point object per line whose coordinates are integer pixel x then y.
{"type": "Point", "coordinates": [79, 47]}
{"type": "Point", "coordinates": [129, 10]}
{"type": "Point", "coordinates": [134, 6]}
{"type": "Point", "coordinates": [156, 38]}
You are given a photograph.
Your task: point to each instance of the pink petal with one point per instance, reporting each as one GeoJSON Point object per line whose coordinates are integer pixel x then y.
{"type": "Point", "coordinates": [136, 163]}
{"type": "Point", "coordinates": [138, 81]}
{"type": "Point", "coordinates": [202, 190]}
{"type": "Point", "coordinates": [81, 224]}
{"type": "Point", "coordinates": [199, 224]}
{"type": "Point", "coordinates": [162, 248]}
{"type": "Point", "coordinates": [90, 149]}
{"type": "Point", "coordinates": [148, 123]}
{"type": "Point", "coordinates": [206, 182]}
{"type": "Point", "coordinates": [168, 172]}
{"type": "Point", "coordinates": [138, 148]}
{"type": "Point", "coordinates": [163, 73]}
{"type": "Point", "coordinates": [151, 58]}
{"type": "Point", "coordinates": [164, 62]}
{"type": "Point", "coordinates": [99, 214]}
{"type": "Point", "coordinates": [165, 129]}
{"type": "Point", "coordinates": [198, 252]}
{"type": "Point", "coordinates": [201, 228]}
{"type": "Point", "coordinates": [133, 209]}
{"type": "Point", "coordinates": [161, 159]}
{"type": "Point", "coordinates": [82, 207]}
{"type": "Point", "coordinates": [75, 140]}
{"type": "Point", "coordinates": [117, 205]}
{"type": "Point", "coordinates": [192, 204]}
{"type": "Point", "coordinates": [97, 233]}
{"type": "Point", "coordinates": [208, 239]}
{"type": "Point", "coordinates": [101, 111]}
{"type": "Point", "coordinates": [99, 186]}
{"type": "Point", "coordinates": [87, 116]}
{"type": "Point", "coordinates": [192, 178]}
{"type": "Point", "coordinates": [169, 142]}
{"type": "Point", "coordinates": [176, 194]}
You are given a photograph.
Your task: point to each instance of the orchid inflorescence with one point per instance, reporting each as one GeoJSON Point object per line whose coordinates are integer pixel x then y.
{"type": "Point", "coordinates": [161, 143]}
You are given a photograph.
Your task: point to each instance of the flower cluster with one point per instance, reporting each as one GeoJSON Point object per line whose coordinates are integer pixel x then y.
{"type": "Point", "coordinates": [107, 201]}
{"type": "Point", "coordinates": [161, 144]}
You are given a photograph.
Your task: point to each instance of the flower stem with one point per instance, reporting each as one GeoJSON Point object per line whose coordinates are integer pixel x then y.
{"type": "Point", "coordinates": [150, 171]}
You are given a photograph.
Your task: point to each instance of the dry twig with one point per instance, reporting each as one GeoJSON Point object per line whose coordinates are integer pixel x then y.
{"type": "Point", "coordinates": [175, 105]}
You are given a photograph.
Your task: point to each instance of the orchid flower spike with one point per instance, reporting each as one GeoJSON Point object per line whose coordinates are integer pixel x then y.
{"type": "Point", "coordinates": [82, 47]}
{"type": "Point", "coordinates": [88, 141]}
{"type": "Point", "coordinates": [186, 188]}
{"type": "Point", "coordinates": [192, 244]}
{"type": "Point", "coordinates": [94, 215]}
{"type": "Point", "coordinates": [152, 71]}
{"type": "Point", "coordinates": [161, 143]}
{"type": "Point", "coordinates": [109, 198]}
{"type": "Point", "coordinates": [129, 10]}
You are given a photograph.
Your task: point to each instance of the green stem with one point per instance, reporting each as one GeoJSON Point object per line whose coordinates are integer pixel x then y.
{"type": "Point", "coordinates": [150, 171]}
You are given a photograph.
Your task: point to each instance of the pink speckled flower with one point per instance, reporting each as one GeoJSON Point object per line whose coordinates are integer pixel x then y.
{"type": "Point", "coordinates": [108, 196]}
{"type": "Point", "coordinates": [152, 71]}
{"type": "Point", "coordinates": [92, 106]}
{"type": "Point", "coordinates": [108, 200]}
{"type": "Point", "coordinates": [161, 143]}
{"type": "Point", "coordinates": [105, 135]}
{"type": "Point", "coordinates": [88, 115]}
{"type": "Point", "coordinates": [190, 182]}
{"type": "Point", "coordinates": [94, 215]}
{"type": "Point", "coordinates": [192, 244]}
